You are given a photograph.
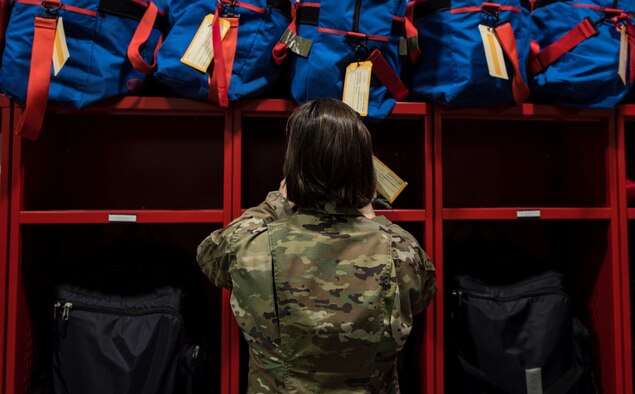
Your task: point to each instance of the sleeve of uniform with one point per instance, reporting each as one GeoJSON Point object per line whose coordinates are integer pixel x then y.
{"type": "Point", "coordinates": [415, 272]}
{"type": "Point", "coordinates": [217, 252]}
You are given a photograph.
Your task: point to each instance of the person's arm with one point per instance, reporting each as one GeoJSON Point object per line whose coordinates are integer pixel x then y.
{"type": "Point", "coordinates": [218, 251]}
{"type": "Point", "coordinates": [415, 271]}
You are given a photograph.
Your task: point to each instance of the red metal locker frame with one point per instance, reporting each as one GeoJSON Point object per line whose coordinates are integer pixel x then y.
{"type": "Point", "coordinates": [532, 112]}
{"type": "Point", "coordinates": [5, 182]}
{"type": "Point", "coordinates": [625, 113]}
{"type": "Point", "coordinates": [402, 110]}
{"type": "Point", "coordinates": [18, 350]}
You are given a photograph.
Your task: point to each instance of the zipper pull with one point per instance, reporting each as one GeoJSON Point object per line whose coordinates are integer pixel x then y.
{"type": "Point", "coordinates": [67, 310]}
{"type": "Point", "coordinates": [459, 294]}
{"type": "Point", "coordinates": [55, 306]}
{"type": "Point", "coordinates": [195, 352]}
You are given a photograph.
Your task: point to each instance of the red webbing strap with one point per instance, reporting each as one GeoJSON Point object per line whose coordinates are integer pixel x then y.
{"type": "Point", "coordinates": [224, 54]}
{"type": "Point", "coordinates": [564, 44]}
{"type": "Point", "coordinates": [140, 37]}
{"type": "Point", "coordinates": [506, 37]}
{"type": "Point", "coordinates": [387, 75]}
{"type": "Point", "coordinates": [280, 50]}
{"type": "Point", "coordinates": [412, 34]}
{"type": "Point", "coordinates": [30, 123]}
{"type": "Point", "coordinates": [631, 57]}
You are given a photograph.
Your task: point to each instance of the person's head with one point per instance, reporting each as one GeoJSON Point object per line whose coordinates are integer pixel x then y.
{"type": "Point", "coordinates": [329, 156]}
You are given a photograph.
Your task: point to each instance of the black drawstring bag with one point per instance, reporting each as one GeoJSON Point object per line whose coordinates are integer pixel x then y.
{"type": "Point", "coordinates": [519, 338]}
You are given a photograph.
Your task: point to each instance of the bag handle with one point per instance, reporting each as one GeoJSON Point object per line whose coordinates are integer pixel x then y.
{"type": "Point", "coordinates": [219, 78]}
{"type": "Point", "coordinates": [387, 75]}
{"type": "Point", "coordinates": [32, 118]}
{"type": "Point", "coordinates": [506, 37]}
{"type": "Point", "coordinates": [140, 37]}
{"type": "Point", "coordinates": [541, 59]}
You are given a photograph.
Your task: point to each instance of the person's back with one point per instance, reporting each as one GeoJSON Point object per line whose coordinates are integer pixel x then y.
{"type": "Point", "coordinates": [325, 295]}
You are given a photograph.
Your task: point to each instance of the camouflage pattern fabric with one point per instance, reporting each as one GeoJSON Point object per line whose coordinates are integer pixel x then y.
{"type": "Point", "coordinates": [324, 296]}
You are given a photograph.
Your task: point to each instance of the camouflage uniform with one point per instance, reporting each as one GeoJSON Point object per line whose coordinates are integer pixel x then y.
{"type": "Point", "coordinates": [324, 296]}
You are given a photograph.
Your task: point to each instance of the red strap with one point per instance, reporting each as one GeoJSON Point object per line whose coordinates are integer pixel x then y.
{"type": "Point", "coordinates": [506, 37]}
{"type": "Point", "coordinates": [279, 52]}
{"type": "Point", "coordinates": [140, 37]}
{"type": "Point", "coordinates": [564, 44]}
{"type": "Point", "coordinates": [224, 54]}
{"type": "Point", "coordinates": [631, 57]}
{"type": "Point", "coordinates": [387, 75]}
{"type": "Point", "coordinates": [412, 34]}
{"type": "Point", "coordinates": [30, 123]}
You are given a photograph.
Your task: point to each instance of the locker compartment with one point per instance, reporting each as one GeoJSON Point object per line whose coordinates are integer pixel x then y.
{"type": "Point", "coordinates": [102, 161]}
{"type": "Point", "coordinates": [54, 254]}
{"type": "Point", "coordinates": [398, 143]}
{"type": "Point", "coordinates": [504, 252]}
{"type": "Point", "coordinates": [507, 163]}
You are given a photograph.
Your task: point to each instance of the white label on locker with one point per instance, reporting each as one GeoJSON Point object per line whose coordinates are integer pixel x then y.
{"type": "Point", "coordinates": [121, 218]}
{"type": "Point", "coordinates": [528, 214]}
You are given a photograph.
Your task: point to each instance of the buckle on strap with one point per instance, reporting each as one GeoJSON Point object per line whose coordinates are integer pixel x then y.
{"type": "Point", "coordinates": [51, 7]}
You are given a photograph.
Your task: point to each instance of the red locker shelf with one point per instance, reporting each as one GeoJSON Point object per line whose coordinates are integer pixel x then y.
{"type": "Point", "coordinates": [278, 106]}
{"type": "Point", "coordinates": [524, 111]}
{"type": "Point", "coordinates": [151, 106]}
{"type": "Point", "coordinates": [525, 213]}
{"type": "Point", "coordinates": [97, 216]}
{"type": "Point", "coordinates": [397, 215]}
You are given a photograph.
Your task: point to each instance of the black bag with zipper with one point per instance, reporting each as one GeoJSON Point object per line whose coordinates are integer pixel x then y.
{"type": "Point", "coordinates": [116, 344]}
{"type": "Point", "coordinates": [519, 338]}
{"type": "Point", "coordinates": [130, 321]}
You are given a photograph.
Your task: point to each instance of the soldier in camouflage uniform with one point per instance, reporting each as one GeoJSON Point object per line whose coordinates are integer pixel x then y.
{"type": "Point", "coordinates": [323, 290]}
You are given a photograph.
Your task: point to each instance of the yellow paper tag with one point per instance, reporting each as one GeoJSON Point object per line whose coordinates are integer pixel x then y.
{"type": "Point", "coordinates": [623, 54]}
{"type": "Point", "coordinates": [493, 53]}
{"type": "Point", "coordinates": [357, 86]}
{"type": "Point", "coordinates": [200, 52]}
{"type": "Point", "coordinates": [389, 185]}
{"type": "Point", "coordinates": [60, 49]}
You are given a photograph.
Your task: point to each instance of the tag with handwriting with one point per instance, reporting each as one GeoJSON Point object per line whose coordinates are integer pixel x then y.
{"type": "Point", "coordinates": [357, 86]}
{"type": "Point", "coordinates": [389, 184]}
{"type": "Point", "coordinates": [493, 53]}
{"type": "Point", "coordinates": [200, 53]}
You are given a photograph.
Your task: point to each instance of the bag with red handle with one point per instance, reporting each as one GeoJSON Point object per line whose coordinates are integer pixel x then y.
{"type": "Point", "coordinates": [76, 52]}
{"type": "Point", "coordinates": [582, 52]}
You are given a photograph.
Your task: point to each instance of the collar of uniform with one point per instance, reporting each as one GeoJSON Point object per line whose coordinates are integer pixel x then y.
{"type": "Point", "coordinates": [331, 208]}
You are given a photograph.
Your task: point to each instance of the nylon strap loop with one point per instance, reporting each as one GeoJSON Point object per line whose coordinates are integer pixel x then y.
{"type": "Point", "coordinates": [506, 37]}
{"type": "Point", "coordinates": [564, 44]}
{"type": "Point", "coordinates": [224, 54]}
{"type": "Point", "coordinates": [30, 123]}
{"type": "Point", "coordinates": [140, 37]}
{"type": "Point", "coordinates": [387, 75]}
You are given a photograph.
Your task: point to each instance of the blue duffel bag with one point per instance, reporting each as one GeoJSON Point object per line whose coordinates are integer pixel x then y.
{"type": "Point", "coordinates": [474, 52]}
{"type": "Point", "coordinates": [327, 36]}
{"type": "Point", "coordinates": [99, 35]}
{"type": "Point", "coordinates": [250, 71]}
{"type": "Point", "coordinates": [577, 52]}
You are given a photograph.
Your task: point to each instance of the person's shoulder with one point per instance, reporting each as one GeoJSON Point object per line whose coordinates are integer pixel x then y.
{"type": "Point", "coordinates": [399, 235]}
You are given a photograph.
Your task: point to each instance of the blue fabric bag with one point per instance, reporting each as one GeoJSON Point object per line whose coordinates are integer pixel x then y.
{"type": "Point", "coordinates": [577, 52]}
{"type": "Point", "coordinates": [329, 35]}
{"type": "Point", "coordinates": [453, 69]}
{"type": "Point", "coordinates": [98, 34]}
{"type": "Point", "coordinates": [250, 71]}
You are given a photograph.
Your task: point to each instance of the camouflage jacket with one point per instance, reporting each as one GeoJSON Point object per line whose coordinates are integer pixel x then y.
{"type": "Point", "coordinates": [325, 297]}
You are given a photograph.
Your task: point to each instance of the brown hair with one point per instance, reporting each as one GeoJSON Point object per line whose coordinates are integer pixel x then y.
{"type": "Point", "coordinates": [328, 156]}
